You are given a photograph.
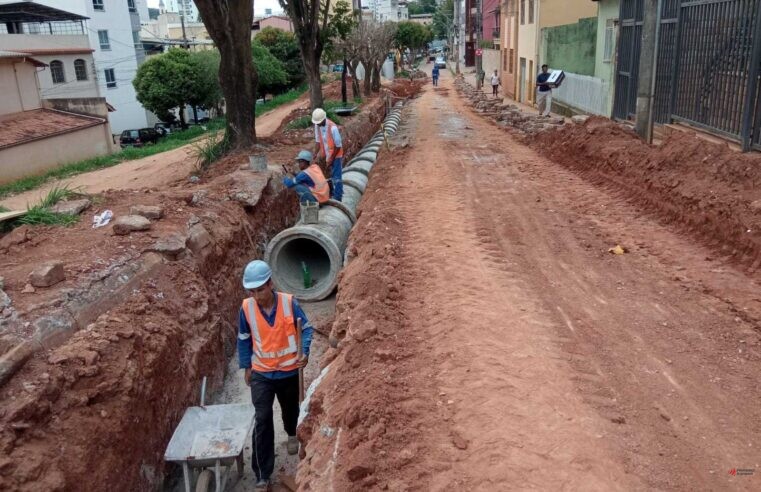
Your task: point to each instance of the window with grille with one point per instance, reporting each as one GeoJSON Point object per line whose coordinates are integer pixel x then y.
{"type": "Point", "coordinates": [105, 44]}
{"type": "Point", "coordinates": [131, 5]}
{"type": "Point", "coordinates": [80, 69]}
{"type": "Point", "coordinates": [530, 11]}
{"type": "Point", "coordinates": [110, 78]}
{"type": "Point", "coordinates": [56, 71]}
{"type": "Point", "coordinates": [610, 38]}
{"type": "Point", "coordinates": [523, 11]}
{"type": "Point", "coordinates": [97, 5]}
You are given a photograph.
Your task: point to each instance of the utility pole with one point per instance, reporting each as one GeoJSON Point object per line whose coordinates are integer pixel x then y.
{"type": "Point", "coordinates": [479, 36]}
{"type": "Point", "coordinates": [648, 62]}
{"type": "Point", "coordinates": [184, 37]}
{"type": "Point", "coordinates": [457, 37]}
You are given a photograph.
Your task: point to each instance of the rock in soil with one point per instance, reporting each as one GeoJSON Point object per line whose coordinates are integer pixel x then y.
{"type": "Point", "coordinates": [170, 246]}
{"type": "Point", "coordinates": [15, 237]}
{"type": "Point", "coordinates": [198, 238]}
{"type": "Point", "coordinates": [47, 274]}
{"type": "Point", "coordinates": [154, 212]}
{"type": "Point", "coordinates": [72, 207]}
{"type": "Point", "coordinates": [128, 223]}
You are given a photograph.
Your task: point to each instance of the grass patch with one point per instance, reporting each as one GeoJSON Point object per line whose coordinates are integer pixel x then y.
{"type": "Point", "coordinates": [208, 151]}
{"type": "Point", "coordinates": [41, 214]}
{"type": "Point", "coordinates": [330, 107]}
{"type": "Point", "coordinates": [280, 99]}
{"type": "Point", "coordinates": [3, 209]}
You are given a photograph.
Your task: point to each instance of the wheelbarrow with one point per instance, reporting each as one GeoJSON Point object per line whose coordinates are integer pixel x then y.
{"type": "Point", "coordinates": [210, 439]}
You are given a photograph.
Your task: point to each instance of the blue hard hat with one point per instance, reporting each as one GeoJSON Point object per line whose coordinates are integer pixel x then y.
{"type": "Point", "coordinates": [256, 274]}
{"type": "Point", "coordinates": [304, 155]}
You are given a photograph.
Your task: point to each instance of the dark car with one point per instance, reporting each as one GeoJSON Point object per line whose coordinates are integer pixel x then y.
{"type": "Point", "coordinates": [164, 129]}
{"type": "Point", "coordinates": [138, 138]}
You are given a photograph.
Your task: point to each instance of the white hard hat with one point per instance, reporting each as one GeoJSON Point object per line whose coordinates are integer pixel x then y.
{"type": "Point", "coordinates": [318, 116]}
{"type": "Point", "coordinates": [256, 274]}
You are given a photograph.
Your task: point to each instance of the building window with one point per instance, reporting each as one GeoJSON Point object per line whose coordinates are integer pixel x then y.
{"type": "Point", "coordinates": [105, 44]}
{"type": "Point", "coordinates": [80, 69]}
{"type": "Point", "coordinates": [97, 5]}
{"type": "Point", "coordinates": [511, 65]}
{"type": "Point", "coordinates": [530, 11]}
{"type": "Point", "coordinates": [131, 5]}
{"type": "Point", "coordinates": [56, 71]}
{"type": "Point", "coordinates": [610, 36]}
{"type": "Point", "coordinates": [110, 78]}
{"type": "Point", "coordinates": [136, 39]}
{"type": "Point", "coordinates": [523, 12]}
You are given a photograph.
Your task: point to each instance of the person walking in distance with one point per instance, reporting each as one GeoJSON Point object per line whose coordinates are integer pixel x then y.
{"type": "Point", "coordinates": [309, 184]}
{"type": "Point", "coordinates": [328, 143]}
{"type": "Point", "coordinates": [435, 74]}
{"type": "Point", "coordinates": [494, 83]}
{"type": "Point", "coordinates": [544, 92]}
{"type": "Point", "coordinates": [268, 353]}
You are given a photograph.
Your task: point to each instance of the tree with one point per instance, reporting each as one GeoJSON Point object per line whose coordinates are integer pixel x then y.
{"type": "Point", "coordinates": [283, 46]}
{"type": "Point", "coordinates": [172, 80]}
{"type": "Point", "coordinates": [443, 20]}
{"type": "Point", "coordinates": [421, 7]}
{"type": "Point", "coordinates": [342, 21]}
{"type": "Point", "coordinates": [310, 20]}
{"type": "Point", "coordinates": [413, 37]}
{"type": "Point", "coordinates": [228, 23]}
{"type": "Point", "coordinates": [272, 74]}
{"type": "Point", "coordinates": [380, 39]}
{"type": "Point", "coordinates": [206, 65]}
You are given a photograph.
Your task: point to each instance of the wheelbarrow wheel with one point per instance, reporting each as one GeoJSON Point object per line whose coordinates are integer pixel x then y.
{"type": "Point", "coordinates": [205, 482]}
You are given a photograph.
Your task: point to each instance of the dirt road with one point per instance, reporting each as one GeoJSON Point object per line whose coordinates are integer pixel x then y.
{"type": "Point", "coordinates": [531, 356]}
{"type": "Point", "coordinates": [157, 170]}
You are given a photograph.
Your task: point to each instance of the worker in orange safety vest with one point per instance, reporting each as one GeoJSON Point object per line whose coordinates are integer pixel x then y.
{"type": "Point", "coordinates": [268, 353]}
{"type": "Point", "coordinates": [328, 144]}
{"type": "Point", "coordinates": [310, 184]}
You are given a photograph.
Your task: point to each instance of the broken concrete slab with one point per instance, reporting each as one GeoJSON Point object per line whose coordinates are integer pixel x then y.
{"type": "Point", "coordinates": [153, 212]}
{"type": "Point", "coordinates": [198, 238]}
{"type": "Point", "coordinates": [71, 207]}
{"type": "Point", "coordinates": [171, 246]}
{"type": "Point", "coordinates": [129, 223]}
{"type": "Point", "coordinates": [579, 119]}
{"type": "Point", "coordinates": [47, 274]}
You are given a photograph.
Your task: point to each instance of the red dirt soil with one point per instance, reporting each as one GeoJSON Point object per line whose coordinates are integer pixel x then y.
{"type": "Point", "coordinates": [701, 187]}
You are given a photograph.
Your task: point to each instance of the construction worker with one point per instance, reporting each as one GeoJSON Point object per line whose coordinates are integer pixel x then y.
{"type": "Point", "coordinates": [268, 353]}
{"type": "Point", "coordinates": [310, 184]}
{"type": "Point", "coordinates": [328, 144]}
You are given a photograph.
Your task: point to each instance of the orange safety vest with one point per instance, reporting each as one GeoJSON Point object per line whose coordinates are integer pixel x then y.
{"type": "Point", "coordinates": [274, 346]}
{"type": "Point", "coordinates": [331, 144]}
{"type": "Point", "coordinates": [321, 189]}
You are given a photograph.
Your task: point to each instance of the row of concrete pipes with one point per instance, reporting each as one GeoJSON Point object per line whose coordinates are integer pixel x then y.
{"type": "Point", "coordinates": [307, 257]}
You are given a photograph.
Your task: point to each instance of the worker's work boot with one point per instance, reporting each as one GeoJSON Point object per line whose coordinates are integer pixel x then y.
{"type": "Point", "coordinates": [292, 445]}
{"type": "Point", "coordinates": [262, 485]}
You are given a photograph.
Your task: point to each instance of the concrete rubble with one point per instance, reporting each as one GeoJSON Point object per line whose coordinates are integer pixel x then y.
{"type": "Point", "coordinates": [71, 207]}
{"type": "Point", "coordinates": [129, 223]}
{"type": "Point", "coordinates": [47, 274]}
{"type": "Point", "coordinates": [153, 212]}
{"type": "Point", "coordinates": [508, 115]}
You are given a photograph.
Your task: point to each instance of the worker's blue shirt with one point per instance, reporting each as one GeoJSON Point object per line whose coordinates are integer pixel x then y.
{"type": "Point", "coordinates": [301, 178]}
{"type": "Point", "coordinates": [542, 78]}
{"type": "Point", "coordinates": [245, 344]}
{"type": "Point", "coordinates": [435, 71]}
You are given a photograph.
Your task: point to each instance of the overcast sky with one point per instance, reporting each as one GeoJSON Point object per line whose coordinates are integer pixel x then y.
{"type": "Point", "coordinates": [259, 6]}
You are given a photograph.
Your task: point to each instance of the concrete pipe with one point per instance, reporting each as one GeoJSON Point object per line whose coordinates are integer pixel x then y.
{"type": "Point", "coordinates": [320, 247]}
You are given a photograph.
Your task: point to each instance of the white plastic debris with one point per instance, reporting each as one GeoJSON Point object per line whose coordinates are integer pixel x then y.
{"type": "Point", "coordinates": [304, 409]}
{"type": "Point", "coordinates": [101, 219]}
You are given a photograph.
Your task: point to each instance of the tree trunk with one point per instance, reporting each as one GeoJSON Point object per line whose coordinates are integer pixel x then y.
{"type": "Point", "coordinates": [229, 26]}
{"type": "Point", "coordinates": [312, 70]}
{"type": "Point", "coordinates": [195, 115]}
{"type": "Point", "coordinates": [354, 82]}
{"type": "Point", "coordinates": [376, 81]}
{"type": "Point", "coordinates": [183, 125]}
{"type": "Point", "coordinates": [343, 82]}
{"type": "Point", "coordinates": [367, 81]}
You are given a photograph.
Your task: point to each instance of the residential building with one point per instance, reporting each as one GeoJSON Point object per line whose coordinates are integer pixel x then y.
{"type": "Point", "coordinates": [509, 47]}
{"type": "Point", "coordinates": [605, 52]}
{"type": "Point", "coordinates": [425, 19]}
{"type": "Point", "coordinates": [278, 21]}
{"type": "Point", "coordinates": [157, 35]}
{"type": "Point", "coordinates": [533, 16]}
{"type": "Point", "coordinates": [389, 10]}
{"type": "Point", "coordinates": [35, 135]}
{"type": "Point", "coordinates": [186, 8]}
{"type": "Point", "coordinates": [491, 23]}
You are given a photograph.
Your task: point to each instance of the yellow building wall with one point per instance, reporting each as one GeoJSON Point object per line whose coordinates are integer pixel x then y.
{"type": "Point", "coordinates": [560, 12]}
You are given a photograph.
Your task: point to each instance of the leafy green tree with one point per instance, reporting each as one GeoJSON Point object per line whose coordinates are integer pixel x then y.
{"type": "Point", "coordinates": [272, 74]}
{"type": "Point", "coordinates": [283, 46]}
{"type": "Point", "coordinates": [169, 81]}
{"type": "Point", "coordinates": [422, 7]}
{"type": "Point", "coordinates": [413, 37]}
{"type": "Point", "coordinates": [443, 19]}
{"type": "Point", "coordinates": [340, 24]}
{"type": "Point", "coordinates": [206, 65]}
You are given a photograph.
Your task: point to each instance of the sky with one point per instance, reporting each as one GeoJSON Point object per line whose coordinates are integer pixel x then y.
{"type": "Point", "coordinates": [259, 6]}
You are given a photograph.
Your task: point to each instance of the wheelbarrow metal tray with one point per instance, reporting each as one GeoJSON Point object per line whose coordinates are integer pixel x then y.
{"type": "Point", "coordinates": [207, 434]}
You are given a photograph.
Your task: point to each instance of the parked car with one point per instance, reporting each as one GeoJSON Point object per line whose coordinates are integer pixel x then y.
{"type": "Point", "coordinates": [338, 67]}
{"type": "Point", "coordinates": [165, 129]}
{"type": "Point", "coordinates": [138, 138]}
{"type": "Point", "coordinates": [441, 62]}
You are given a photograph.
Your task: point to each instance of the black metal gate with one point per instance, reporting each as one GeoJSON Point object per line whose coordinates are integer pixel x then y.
{"type": "Point", "coordinates": [709, 63]}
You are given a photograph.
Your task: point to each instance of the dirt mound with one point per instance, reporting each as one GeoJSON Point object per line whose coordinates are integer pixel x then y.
{"type": "Point", "coordinates": [703, 187]}
{"type": "Point", "coordinates": [407, 88]}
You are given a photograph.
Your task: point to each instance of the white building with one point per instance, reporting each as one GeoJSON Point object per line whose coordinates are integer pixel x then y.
{"type": "Point", "coordinates": [186, 8]}
{"type": "Point", "coordinates": [389, 10]}
{"type": "Point", "coordinates": [113, 27]}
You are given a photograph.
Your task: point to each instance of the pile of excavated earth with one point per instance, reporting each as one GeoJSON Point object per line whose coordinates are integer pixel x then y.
{"type": "Point", "coordinates": [106, 333]}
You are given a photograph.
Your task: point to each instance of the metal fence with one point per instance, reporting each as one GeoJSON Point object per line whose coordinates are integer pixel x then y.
{"type": "Point", "coordinates": [708, 67]}
{"type": "Point", "coordinates": [583, 92]}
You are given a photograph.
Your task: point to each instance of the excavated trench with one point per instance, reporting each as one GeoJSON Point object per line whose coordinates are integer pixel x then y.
{"type": "Point", "coordinates": [130, 360]}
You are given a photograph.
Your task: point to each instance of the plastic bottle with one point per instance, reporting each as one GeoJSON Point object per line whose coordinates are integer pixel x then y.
{"type": "Point", "coordinates": [306, 275]}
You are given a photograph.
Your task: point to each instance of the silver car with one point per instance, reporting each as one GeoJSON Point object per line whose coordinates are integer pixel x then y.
{"type": "Point", "coordinates": [441, 62]}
